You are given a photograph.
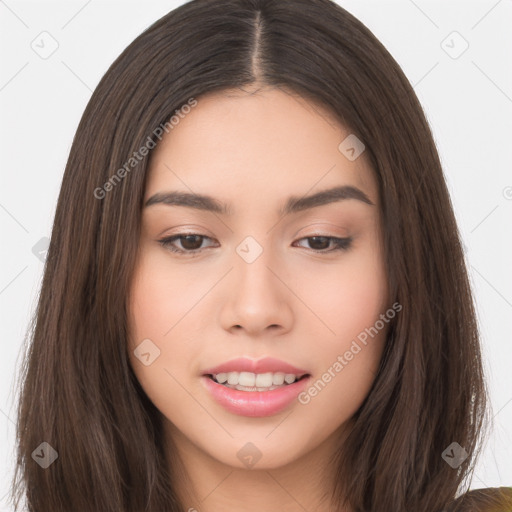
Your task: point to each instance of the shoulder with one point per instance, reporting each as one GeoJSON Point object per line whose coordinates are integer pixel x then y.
{"type": "Point", "coordinates": [488, 499]}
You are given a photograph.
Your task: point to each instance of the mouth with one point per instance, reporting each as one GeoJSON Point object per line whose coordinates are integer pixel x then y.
{"type": "Point", "coordinates": [255, 400]}
{"type": "Point", "coordinates": [255, 388]}
{"type": "Point", "coordinates": [256, 382]}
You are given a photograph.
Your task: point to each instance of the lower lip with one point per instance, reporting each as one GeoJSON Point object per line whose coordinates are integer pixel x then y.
{"type": "Point", "coordinates": [255, 403]}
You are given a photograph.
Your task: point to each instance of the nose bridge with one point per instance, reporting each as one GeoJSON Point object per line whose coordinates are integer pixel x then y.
{"type": "Point", "coordinates": [252, 271]}
{"type": "Point", "coordinates": [250, 250]}
{"type": "Point", "coordinates": [258, 298]}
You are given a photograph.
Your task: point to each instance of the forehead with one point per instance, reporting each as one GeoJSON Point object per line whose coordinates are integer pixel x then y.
{"type": "Point", "coordinates": [245, 145]}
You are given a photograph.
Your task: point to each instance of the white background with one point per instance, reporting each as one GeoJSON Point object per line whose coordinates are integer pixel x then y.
{"type": "Point", "coordinates": [468, 102]}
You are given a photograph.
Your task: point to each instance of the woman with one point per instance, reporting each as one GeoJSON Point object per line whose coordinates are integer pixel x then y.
{"type": "Point", "coordinates": [311, 355]}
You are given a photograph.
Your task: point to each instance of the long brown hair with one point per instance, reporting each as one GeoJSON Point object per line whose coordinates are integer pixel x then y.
{"type": "Point", "coordinates": [79, 393]}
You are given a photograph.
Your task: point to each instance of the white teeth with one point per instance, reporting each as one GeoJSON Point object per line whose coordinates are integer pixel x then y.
{"type": "Point", "coordinates": [222, 377]}
{"type": "Point", "coordinates": [264, 380]}
{"type": "Point", "coordinates": [278, 379]}
{"type": "Point", "coordinates": [258, 380]}
{"type": "Point", "coordinates": [289, 378]}
{"type": "Point", "coordinates": [233, 378]}
{"type": "Point", "coordinates": [246, 379]}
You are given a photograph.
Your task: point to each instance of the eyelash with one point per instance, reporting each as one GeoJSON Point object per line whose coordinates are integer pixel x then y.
{"type": "Point", "coordinates": [340, 244]}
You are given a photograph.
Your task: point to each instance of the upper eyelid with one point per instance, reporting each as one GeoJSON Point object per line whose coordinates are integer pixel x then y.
{"type": "Point", "coordinates": [181, 235]}
{"type": "Point", "coordinates": [318, 231]}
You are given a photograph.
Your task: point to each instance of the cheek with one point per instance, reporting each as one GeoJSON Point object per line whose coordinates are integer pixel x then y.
{"type": "Point", "coordinates": [347, 297]}
{"type": "Point", "coordinates": [347, 362]}
{"type": "Point", "coordinates": [156, 306]}
{"type": "Point", "coordinates": [361, 300]}
{"type": "Point", "coordinates": [348, 330]}
{"type": "Point", "coordinates": [163, 298]}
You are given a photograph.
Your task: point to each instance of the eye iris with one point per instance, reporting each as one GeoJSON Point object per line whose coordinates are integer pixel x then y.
{"type": "Point", "coordinates": [324, 245]}
{"type": "Point", "coordinates": [191, 238]}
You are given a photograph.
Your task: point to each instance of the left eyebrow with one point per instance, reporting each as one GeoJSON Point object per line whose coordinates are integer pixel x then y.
{"type": "Point", "coordinates": [331, 195]}
{"type": "Point", "coordinates": [294, 204]}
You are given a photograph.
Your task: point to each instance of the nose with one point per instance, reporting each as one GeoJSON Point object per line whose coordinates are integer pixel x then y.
{"type": "Point", "coordinates": [257, 298]}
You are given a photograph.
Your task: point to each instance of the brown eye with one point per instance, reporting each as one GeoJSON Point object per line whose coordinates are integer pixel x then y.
{"type": "Point", "coordinates": [190, 243]}
{"type": "Point", "coordinates": [321, 243]}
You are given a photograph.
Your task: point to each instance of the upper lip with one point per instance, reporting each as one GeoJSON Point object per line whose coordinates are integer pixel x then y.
{"type": "Point", "coordinates": [265, 365]}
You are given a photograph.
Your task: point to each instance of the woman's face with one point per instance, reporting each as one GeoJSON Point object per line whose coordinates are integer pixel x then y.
{"type": "Point", "coordinates": [301, 281]}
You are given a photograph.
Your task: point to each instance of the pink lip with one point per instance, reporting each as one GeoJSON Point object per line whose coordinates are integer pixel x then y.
{"type": "Point", "coordinates": [265, 365]}
{"type": "Point", "coordinates": [255, 403]}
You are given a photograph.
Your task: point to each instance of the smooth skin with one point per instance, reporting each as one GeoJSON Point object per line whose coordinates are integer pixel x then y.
{"type": "Point", "coordinates": [299, 301]}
